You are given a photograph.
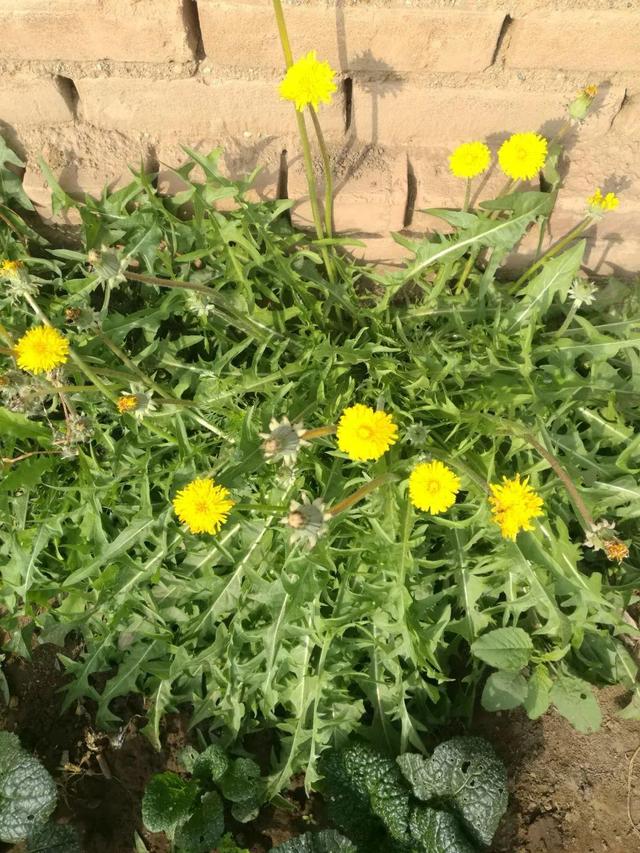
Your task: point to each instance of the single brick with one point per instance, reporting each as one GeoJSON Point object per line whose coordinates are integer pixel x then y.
{"type": "Point", "coordinates": [32, 101]}
{"type": "Point", "coordinates": [391, 113]}
{"type": "Point", "coordinates": [576, 39]}
{"type": "Point", "coordinates": [196, 107]}
{"type": "Point", "coordinates": [89, 30]}
{"type": "Point", "coordinates": [370, 190]}
{"type": "Point", "coordinates": [366, 38]}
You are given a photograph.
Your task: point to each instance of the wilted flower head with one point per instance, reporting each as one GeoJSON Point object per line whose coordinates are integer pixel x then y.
{"type": "Point", "coordinates": [522, 155]}
{"type": "Point", "coordinates": [283, 441]}
{"type": "Point", "coordinates": [20, 283]}
{"type": "Point", "coordinates": [601, 538]}
{"type": "Point", "coordinates": [308, 82]}
{"type": "Point", "coordinates": [599, 204]}
{"type": "Point", "coordinates": [596, 537]}
{"type": "Point", "coordinates": [416, 434]}
{"type": "Point", "coordinates": [580, 106]}
{"type": "Point", "coordinates": [109, 266]}
{"type": "Point", "coordinates": [513, 505]}
{"type": "Point", "coordinates": [470, 159]}
{"type": "Point", "coordinates": [138, 403]}
{"type": "Point", "coordinates": [616, 550]}
{"type": "Point", "coordinates": [82, 318]}
{"type": "Point", "coordinates": [307, 521]}
{"type": "Point", "coordinates": [582, 291]}
{"type": "Point", "coordinates": [22, 393]}
{"type": "Point", "coordinates": [78, 430]}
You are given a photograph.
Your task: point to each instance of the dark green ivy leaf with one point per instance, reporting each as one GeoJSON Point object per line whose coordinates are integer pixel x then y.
{"type": "Point", "coordinates": [204, 828]}
{"type": "Point", "coordinates": [27, 794]}
{"type": "Point", "coordinates": [327, 841]}
{"type": "Point", "coordinates": [466, 774]}
{"type": "Point", "coordinates": [168, 802]}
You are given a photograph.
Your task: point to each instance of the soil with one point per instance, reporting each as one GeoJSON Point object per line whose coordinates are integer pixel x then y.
{"type": "Point", "coordinates": [568, 792]}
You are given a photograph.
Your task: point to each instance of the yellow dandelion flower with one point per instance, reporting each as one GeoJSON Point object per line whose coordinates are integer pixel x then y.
{"type": "Point", "coordinates": [365, 434]}
{"type": "Point", "coordinates": [523, 155]}
{"type": "Point", "coordinates": [590, 91]}
{"type": "Point", "coordinates": [203, 506]}
{"type": "Point", "coordinates": [470, 159]}
{"type": "Point", "coordinates": [513, 504]}
{"type": "Point", "coordinates": [127, 403]}
{"type": "Point", "coordinates": [433, 487]}
{"type": "Point", "coordinates": [41, 349]}
{"type": "Point", "coordinates": [308, 81]}
{"type": "Point", "coordinates": [602, 203]}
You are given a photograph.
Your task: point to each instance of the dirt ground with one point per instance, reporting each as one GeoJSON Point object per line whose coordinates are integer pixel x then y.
{"type": "Point", "coordinates": [568, 792]}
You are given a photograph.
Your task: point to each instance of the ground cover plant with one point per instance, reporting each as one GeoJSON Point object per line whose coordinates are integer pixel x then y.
{"type": "Point", "coordinates": [309, 499]}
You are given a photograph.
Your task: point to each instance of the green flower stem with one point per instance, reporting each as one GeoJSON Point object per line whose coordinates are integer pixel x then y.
{"type": "Point", "coordinates": [328, 177]}
{"type": "Point", "coordinates": [361, 493]}
{"type": "Point", "coordinates": [7, 460]}
{"type": "Point", "coordinates": [467, 270]}
{"type": "Point", "coordinates": [568, 320]}
{"type": "Point", "coordinates": [304, 139]}
{"type": "Point", "coordinates": [557, 247]}
{"type": "Point", "coordinates": [467, 195]}
{"type": "Point", "coordinates": [319, 432]}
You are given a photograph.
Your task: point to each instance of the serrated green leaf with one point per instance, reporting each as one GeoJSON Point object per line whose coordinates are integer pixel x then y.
{"type": "Point", "coordinates": [555, 277]}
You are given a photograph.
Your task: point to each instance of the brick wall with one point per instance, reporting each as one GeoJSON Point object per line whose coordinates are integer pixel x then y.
{"type": "Point", "coordinates": [94, 85]}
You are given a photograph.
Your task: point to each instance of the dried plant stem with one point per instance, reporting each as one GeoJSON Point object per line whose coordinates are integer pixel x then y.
{"type": "Point", "coordinates": [7, 460]}
{"type": "Point", "coordinates": [319, 432]}
{"type": "Point", "coordinates": [360, 493]}
{"type": "Point", "coordinates": [568, 483]}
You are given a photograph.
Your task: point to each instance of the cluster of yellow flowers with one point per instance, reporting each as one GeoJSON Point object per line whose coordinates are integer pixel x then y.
{"type": "Point", "coordinates": [364, 434]}
{"type": "Point", "coordinates": [520, 157]}
{"type": "Point", "coordinates": [601, 203]}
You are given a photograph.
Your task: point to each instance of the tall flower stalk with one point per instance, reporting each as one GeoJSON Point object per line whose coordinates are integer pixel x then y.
{"type": "Point", "coordinates": [306, 151]}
